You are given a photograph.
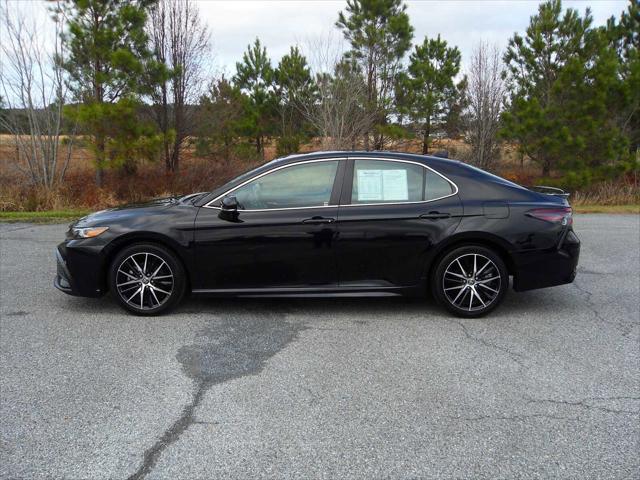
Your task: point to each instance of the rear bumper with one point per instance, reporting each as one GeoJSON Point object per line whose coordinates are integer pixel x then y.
{"type": "Point", "coordinates": [541, 269]}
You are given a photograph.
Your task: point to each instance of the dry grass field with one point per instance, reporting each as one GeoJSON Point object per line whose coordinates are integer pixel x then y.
{"type": "Point", "coordinates": [78, 191]}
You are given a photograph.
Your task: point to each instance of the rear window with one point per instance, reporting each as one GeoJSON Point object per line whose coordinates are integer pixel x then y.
{"type": "Point", "coordinates": [384, 181]}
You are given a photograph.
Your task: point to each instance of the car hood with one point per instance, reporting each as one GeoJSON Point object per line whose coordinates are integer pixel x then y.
{"type": "Point", "coordinates": [117, 214]}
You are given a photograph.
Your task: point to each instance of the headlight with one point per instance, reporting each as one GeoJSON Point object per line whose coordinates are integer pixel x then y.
{"type": "Point", "coordinates": [88, 232]}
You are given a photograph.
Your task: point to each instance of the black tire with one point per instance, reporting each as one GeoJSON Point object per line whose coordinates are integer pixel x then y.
{"type": "Point", "coordinates": [158, 293]}
{"type": "Point", "coordinates": [465, 294]}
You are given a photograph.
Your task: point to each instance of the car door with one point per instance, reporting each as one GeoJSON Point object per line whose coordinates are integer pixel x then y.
{"type": "Point", "coordinates": [392, 213]}
{"type": "Point", "coordinates": [282, 235]}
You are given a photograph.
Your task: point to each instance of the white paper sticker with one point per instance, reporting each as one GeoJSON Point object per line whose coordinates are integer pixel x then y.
{"type": "Point", "coordinates": [394, 185]}
{"type": "Point", "coordinates": [369, 185]}
{"type": "Point", "coordinates": [382, 185]}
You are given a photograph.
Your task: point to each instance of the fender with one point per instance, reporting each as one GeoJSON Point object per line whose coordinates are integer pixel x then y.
{"type": "Point", "coordinates": [500, 245]}
{"type": "Point", "coordinates": [182, 250]}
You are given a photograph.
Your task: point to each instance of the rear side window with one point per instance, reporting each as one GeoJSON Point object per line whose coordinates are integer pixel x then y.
{"type": "Point", "coordinates": [435, 186]}
{"type": "Point", "coordinates": [382, 181]}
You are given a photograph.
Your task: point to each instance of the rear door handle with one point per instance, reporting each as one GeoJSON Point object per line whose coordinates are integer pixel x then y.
{"type": "Point", "coordinates": [318, 220]}
{"type": "Point", "coordinates": [435, 215]}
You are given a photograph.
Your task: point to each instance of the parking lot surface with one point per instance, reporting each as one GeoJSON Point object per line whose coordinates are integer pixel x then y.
{"type": "Point", "coordinates": [547, 386]}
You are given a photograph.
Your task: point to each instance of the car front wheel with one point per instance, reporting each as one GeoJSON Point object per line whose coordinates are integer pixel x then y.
{"type": "Point", "coordinates": [146, 279]}
{"type": "Point", "coordinates": [470, 281]}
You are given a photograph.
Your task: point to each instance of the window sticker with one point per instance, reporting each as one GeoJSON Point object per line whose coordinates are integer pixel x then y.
{"type": "Point", "coordinates": [395, 185]}
{"type": "Point", "coordinates": [369, 185]}
{"type": "Point", "coordinates": [382, 185]}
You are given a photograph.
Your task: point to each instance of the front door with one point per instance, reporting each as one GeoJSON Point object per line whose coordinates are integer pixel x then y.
{"type": "Point", "coordinates": [282, 236]}
{"type": "Point", "coordinates": [392, 213]}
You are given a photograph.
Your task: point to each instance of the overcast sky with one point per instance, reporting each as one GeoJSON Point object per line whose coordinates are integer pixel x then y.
{"type": "Point", "coordinates": [281, 23]}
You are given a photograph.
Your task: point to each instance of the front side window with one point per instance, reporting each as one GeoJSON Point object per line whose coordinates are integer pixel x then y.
{"type": "Point", "coordinates": [297, 186]}
{"type": "Point", "coordinates": [381, 181]}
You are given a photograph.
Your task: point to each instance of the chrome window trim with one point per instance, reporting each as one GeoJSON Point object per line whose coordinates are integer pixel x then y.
{"type": "Point", "coordinates": [385, 159]}
{"type": "Point", "coordinates": [407, 202]}
{"type": "Point", "coordinates": [332, 159]}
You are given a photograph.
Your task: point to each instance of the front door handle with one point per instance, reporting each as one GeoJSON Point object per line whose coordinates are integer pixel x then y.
{"type": "Point", "coordinates": [318, 220]}
{"type": "Point", "coordinates": [435, 215]}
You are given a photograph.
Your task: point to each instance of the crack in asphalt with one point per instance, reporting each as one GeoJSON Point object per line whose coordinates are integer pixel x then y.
{"type": "Point", "coordinates": [625, 328]}
{"type": "Point", "coordinates": [513, 417]}
{"type": "Point", "coordinates": [516, 357]}
{"type": "Point", "coordinates": [227, 349]}
{"type": "Point", "coordinates": [584, 403]}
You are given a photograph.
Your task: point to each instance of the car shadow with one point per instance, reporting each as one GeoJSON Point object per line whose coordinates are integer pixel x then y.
{"type": "Point", "coordinates": [514, 304]}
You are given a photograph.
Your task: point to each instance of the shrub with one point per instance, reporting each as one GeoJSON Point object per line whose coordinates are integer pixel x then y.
{"type": "Point", "coordinates": [287, 145]}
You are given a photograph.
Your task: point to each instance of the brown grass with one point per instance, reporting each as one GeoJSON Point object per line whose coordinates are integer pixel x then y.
{"type": "Point", "coordinates": [78, 192]}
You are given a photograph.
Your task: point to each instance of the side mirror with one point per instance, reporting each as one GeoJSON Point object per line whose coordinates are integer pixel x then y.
{"type": "Point", "coordinates": [229, 204]}
{"type": "Point", "coordinates": [229, 209]}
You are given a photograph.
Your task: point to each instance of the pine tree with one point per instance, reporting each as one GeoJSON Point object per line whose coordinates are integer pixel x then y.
{"type": "Point", "coordinates": [560, 77]}
{"type": "Point", "coordinates": [430, 89]}
{"type": "Point", "coordinates": [224, 116]}
{"type": "Point", "coordinates": [380, 34]}
{"type": "Point", "coordinates": [107, 56]}
{"type": "Point", "coordinates": [294, 90]}
{"type": "Point", "coordinates": [254, 76]}
{"type": "Point", "coordinates": [624, 38]}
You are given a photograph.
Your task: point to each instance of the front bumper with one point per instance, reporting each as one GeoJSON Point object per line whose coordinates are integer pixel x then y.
{"type": "Point", "coordinates": [78, 272]}
{"type": "Point", "coordinates": [63, 278]}
{"type": "Point", "coordinates": [548, 268]}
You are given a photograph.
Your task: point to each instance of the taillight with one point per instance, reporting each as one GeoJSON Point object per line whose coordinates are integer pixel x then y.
{"type": "Point", "coordinates": [561, 215]}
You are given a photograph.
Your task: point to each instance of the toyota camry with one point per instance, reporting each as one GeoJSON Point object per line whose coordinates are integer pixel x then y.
{"type": "Point", "coordinates": [329, 224]}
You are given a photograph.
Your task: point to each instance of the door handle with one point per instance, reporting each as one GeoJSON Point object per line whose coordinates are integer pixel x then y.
{"type": "Point", "coordinates": [318, 220]}
{"type": "Point", "coordinates": [435, 215]}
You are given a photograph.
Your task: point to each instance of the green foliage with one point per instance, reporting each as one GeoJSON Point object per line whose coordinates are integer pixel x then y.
{"type": "Point", "coordinates": [286, 145]}
{"type": "Point", "coordinates": [109, 65]}
{"type": "Point", "coordinates": [561, 76]}
{"type": "Point", "coordinates": [624, 39]}
{"type": "Point", "coordinates": [107, 47]}
{"type": "Point", "coordinates": [127, 139]}
{"type": "Point", "coordinates": [225, 116]}
{"type": "Point", "coordinates": [394, 132]}
{"type": "Point", "coordinates": [295, 91]}
{"type": "Point", "coordinates": [380, 34]}
{"type": "Point", "coordinates": [430, 92]}
{"type": "Point", "coordinates": [254, 76]}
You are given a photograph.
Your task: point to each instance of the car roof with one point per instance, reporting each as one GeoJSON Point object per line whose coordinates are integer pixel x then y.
{"type": "Point", "coordinates": [382, 154]}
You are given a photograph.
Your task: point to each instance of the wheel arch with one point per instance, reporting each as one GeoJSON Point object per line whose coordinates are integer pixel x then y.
{"type": "Point", "coordinates": [126, 240]}
{"type": "Point", "coordinates": [493, 242]}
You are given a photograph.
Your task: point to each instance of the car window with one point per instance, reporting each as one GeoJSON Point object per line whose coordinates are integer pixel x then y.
{"type": "Point", "coordinates": [435, 186]}
{"type": "Point", "coordinates": [382, 181]}
{"type": "Point", "coordinates": [304, 185]}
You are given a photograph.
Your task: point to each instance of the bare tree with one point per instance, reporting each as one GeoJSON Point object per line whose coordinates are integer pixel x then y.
{"type": "Point", "coordinates": [338, 112]}
{"type": "Point", "coordinates": [486, 91]}
{"type": "Point", "coordinates": [180, 41]}
{"type": "Point", "coordinates": [33, 86]}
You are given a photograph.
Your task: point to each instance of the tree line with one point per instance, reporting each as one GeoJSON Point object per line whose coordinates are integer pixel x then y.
{"type": "Point", "coordinates": [126, 77]}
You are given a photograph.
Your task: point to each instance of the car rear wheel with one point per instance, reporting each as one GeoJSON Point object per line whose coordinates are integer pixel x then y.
{"type": "Point", "coordinates": [146, 279]}
{"type": "Point", "coordinates": [470, 281]}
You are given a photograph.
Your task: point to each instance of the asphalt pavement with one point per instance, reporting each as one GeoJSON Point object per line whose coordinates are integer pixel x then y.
{"type": "Point", "coordinates": [547, 386]}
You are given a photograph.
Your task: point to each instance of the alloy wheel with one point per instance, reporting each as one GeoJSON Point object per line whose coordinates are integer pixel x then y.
{"type": "Point", "coordinates": [471, 282]}
{"type": "Point", "coordinates": [144, 281]}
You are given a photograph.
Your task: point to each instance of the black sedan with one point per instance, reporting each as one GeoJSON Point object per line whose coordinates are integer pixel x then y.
{"type": "Point", "coordinates": [329, 224]}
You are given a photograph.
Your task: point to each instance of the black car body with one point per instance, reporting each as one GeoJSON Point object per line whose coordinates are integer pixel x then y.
{"type": "Point", "coordinates": [365, 223]}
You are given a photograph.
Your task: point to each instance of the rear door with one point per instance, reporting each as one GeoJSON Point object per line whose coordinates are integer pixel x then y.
{"type": "Point", "coordinates": [282, 236]}
{"type": "Point", "coordinates": [392, 213]}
